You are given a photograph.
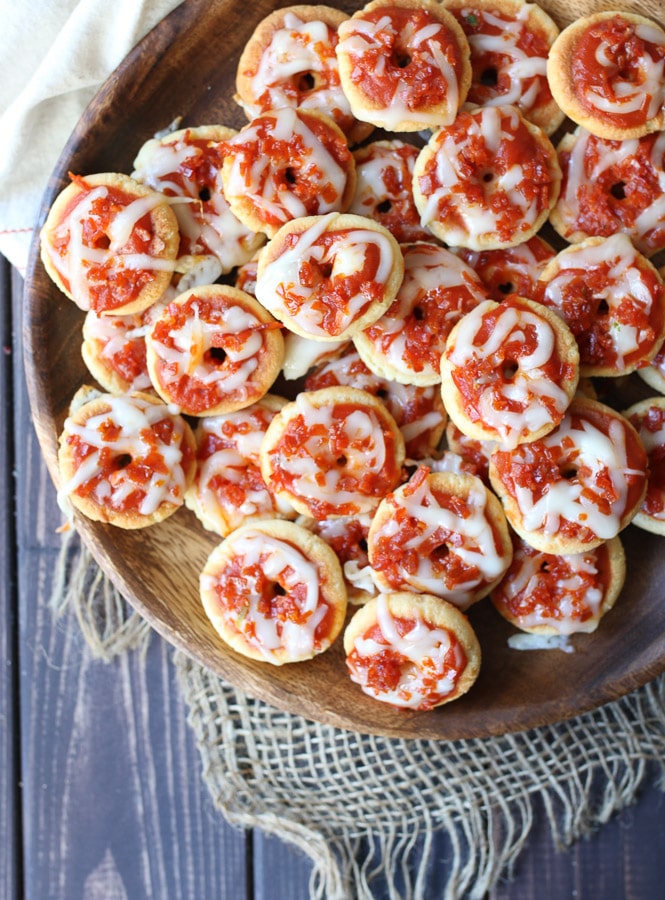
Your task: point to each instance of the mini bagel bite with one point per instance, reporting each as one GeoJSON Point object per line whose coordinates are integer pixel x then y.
{"type": "Point", "coordinates": [579, 485]}
{"type": "Point", "coordinates": [110, 243]}
{"type": "Point", "coordinates": [509, 371]}
{"type": "Point", "coordinates": [648, 417]}
{"type": "Point", "coordinates": [213, 350]}
{"type": "Point", "coordinates": [488, 180]}
{"type": "Point", "coordinates": [441, 533]}
{"type": "Point", "coordinates": [290, 60]}
{"type": "Point", "coordinates": [606, 72]}
{"type": "Point", "coordinates": [547, 593]}
{"type": "Point", "coordinates": [328, 277]}
{"type": "Point", "coordinates": [274, 592]}
{"type": "Point", "coordinates": [228, 489]}
{"type": "Point", "coordinates": [127, 460]}
{"type": "Point", "coordinates": [405, 344]}
{"type": "Point", "coordinates": [510, 270]}
{"type": "Point", "coordinates": [610, 186]}
{"type": "Point", "coordinates": [285, 164]}
{"type": "Point", "coordinates": [412, 651]}
{"type": "Point", "coordinates": [613, 300]}
{"type": "Point", "coordinates": [404, 64]}
{"type": "Point", "coordinates": [510, 41]}
{"type": "Point", "coordinates": [384, 176]}
{"type": "Point", "coordinates": [333, 452]}
{"type": "Point", "coordinates": [187, 164]}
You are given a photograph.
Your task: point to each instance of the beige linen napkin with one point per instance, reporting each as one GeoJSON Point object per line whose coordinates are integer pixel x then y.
{"type": "Point", "coordinates": [55, 55]}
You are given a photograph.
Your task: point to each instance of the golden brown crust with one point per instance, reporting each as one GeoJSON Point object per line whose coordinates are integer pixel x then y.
{"type": "Point", "coordinates": [200, 358]}
{"type": "Point", "coordinates": [368, 109]}
{"type": "Point", "coordinates": [477, 425]}
{"type": "Point", "coordinates": [296, 320]}
{"type": "Point", "coordinates": [163, 247]}
{"type": "Point", "coordinates": [433, 611]}
{"type": "Point", "coordinates": [544, 111]}
{"type": "Point", "coordinates": [313, 549]}
{"type": "Point", "coordinates": [566, 86]}
{"type": "Point", "coordinates": [87, 403]}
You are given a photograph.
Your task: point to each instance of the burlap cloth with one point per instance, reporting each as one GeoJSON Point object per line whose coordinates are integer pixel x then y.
{"type": "Point", "coordinates": [364, 808]}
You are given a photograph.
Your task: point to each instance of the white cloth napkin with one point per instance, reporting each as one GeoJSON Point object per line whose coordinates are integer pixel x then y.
{"type": "Point", "coordinates": [55, 55]}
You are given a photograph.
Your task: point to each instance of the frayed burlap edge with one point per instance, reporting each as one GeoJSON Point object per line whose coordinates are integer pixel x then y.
{"type": "Point", "coordinates": [366, 809]}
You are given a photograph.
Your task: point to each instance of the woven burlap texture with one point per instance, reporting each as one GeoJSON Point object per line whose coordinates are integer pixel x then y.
{"type": "Point", "coordinates": [366, 808]}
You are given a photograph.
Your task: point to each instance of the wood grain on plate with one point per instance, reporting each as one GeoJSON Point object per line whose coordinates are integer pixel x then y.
{"type": "Point", "coordinates": [186, 67]}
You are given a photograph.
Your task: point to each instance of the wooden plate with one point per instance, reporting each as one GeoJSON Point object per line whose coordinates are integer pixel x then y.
{"type": "Point", "coordinates": [186, 67]}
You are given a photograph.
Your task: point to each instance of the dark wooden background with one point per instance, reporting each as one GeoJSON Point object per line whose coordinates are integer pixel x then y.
{"type": "Point", "coordinates": [100, 784]}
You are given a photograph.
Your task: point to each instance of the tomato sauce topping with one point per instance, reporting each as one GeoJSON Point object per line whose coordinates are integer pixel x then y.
{"type": "Point", "coordinates": [651, 428]}
{"type": "Point", "coordinates": [109, 283]}
{"type": "Point", "coordinates": [610, 57]}
{"type": "Point", "coordinates": [391, 59]}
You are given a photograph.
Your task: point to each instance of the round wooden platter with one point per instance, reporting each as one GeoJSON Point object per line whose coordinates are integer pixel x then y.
{"type": "Point", "coordinates": [186, 68]}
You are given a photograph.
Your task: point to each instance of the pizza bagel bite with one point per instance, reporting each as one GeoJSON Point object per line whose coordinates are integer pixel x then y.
{"type": "Point", "coordinates": [384, 177]}
{"type": "Point", "coordinates": [109, 243]}
{"type": "Point", "coordinates": [186, 164]}
{"type": "Point", "coordinates": [548, 593]}
{"type": "Point", "coordinates": [328, 277]}
{"type": "Point", "coordinates": [510, 41]}
{"type": "Point", "coordinates": [274, 592]}
{"type": "Point", "coordinates": [127, 459]}
{"type": "Point", "coordinates": [405, 344]}
{"type": "Point", "coordinates": [606, 72]}
{"type": "Point", "coordinates": [212, 350]}
{"type": "Point", "coordinates": [404, 64]}
{"type": "Point", "coordinates": [488, 180]}
{"type": "Point", "coordinates": [412, 651]}
{"type": "Point", "coordinates": [441, 533]}
{"type": "Point", "coordinates": [579, 485]}
{"type": "Point", "coordinates": [333, 452]}
{"type": "Point", "coordinates": [613, 300]}
{"type": "Point", "coordinates": [286, 164]}
{"type": "Point", "coordinates": [228, 489]}
{"type": "Point", "coordinates": [612, 186]}
{"type": "Point", "coordinates": [648, 417]}
{"type": "Point", "coordinates": [509, 371]}
{"type": "Point", "coordinates": [290, 60]}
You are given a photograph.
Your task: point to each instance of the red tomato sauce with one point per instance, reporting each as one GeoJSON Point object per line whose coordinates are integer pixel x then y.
{"type": "Point", "coordinates": [626, 52]}
{"type": "Point", "coordinates": [394, 60]}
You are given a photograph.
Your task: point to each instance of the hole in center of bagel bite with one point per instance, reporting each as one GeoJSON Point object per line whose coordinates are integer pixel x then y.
{"type": "Point", "coordinates": [401, 57]}
{"type": "Point", "coordinates": [290, 175]}
{"type": "Point", "coordinates": [122, 461]}
{"type": "Point", "coordinates": [440, 553]}
{"type": "Point", "coordinates": [278, 590]}
{"type": "Point", "coordinates": [204, 194]}
{"type": "Point", "coordinates": [507, 287]}
{"type": "Point", "coordinates": [418, 313]}
{"type": "Point", "coordinates": [487, 177]}
{"type": "Point", "coordinates": [509, 369]}
{"type": "Point", "coordinates": [618, 190]}
{"type": "Point", "coordinates": [602, 307]}
{"type": "Point", "coordinates": [569, 472]}
{"type": "Point", "coordinates": [489, 76]}
{"type": "Point", "coordinates": [305, 82]}
{"type": "Point", "coordinates": [216, 356]}
{"type": "Point", "coordinates": [341, 460]}
{"type": "Point", "coordinates": [384, 206]}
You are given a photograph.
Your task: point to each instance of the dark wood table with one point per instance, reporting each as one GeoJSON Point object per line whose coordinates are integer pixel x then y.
{"type": "Point", "coordinates": [100, 782]}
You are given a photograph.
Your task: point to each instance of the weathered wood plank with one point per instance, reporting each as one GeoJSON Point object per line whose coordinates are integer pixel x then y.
{"type": "Point", "coordinates": [113, 802]}
{"type": "Point", "coordinates": [10, 848]}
